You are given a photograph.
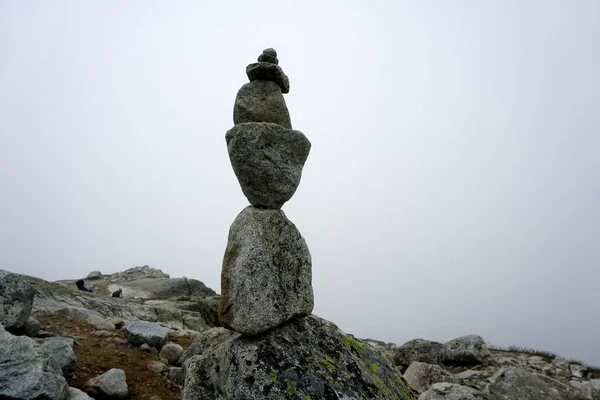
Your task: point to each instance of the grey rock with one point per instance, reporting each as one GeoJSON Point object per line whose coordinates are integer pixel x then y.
{"type": "Point", "coordinates": [261, 101]}
{"type": "Point", "coordinates": [137, 273]}
{"type": "Point", "coordinates": [421, 350]}
{"type": "Point", "coordinates": [31, 327]}
{"type": "Point", "coordinates": [595, 386]}
{"type": "Point", "coordinates": [452, 391]}
{"type": "Point", "coordinates": [266, 275]}
{"type": "Point", "coordinates": [305, 358]}
{"type": "Point", "coordinates": [94, 275]}
{"type": "Point", "coordinates": [270, 52]}
{"type": "Point", "coordinates": [161, 288]}
{"type": "Point", "coordinates": [171, 352]}
{"type": "Point", "coordinates": [157, 367]}
{"type": "Point", "coordinates": [145, 347]}
{"type": "Point", "coordinates": [267, 160]}
{"type": "Point", "coordinates": [467, 350]}
{"type": "Point", "coordinates": [268, 58]}
{"type": "Point", "coordinates": [518, 384]}
{"type": "Point", "coordinates": [16, 300]}
{"type": "Point", "coordinates": [76, 394]}
{"type": "Point", "coordinates": [112, 383]}
{"type": "Point", "coordinates": [176, 375]}
{"type": "Point", "coordinates": [420, 376]}
{"type": "Point", "coordinates": [103, 334]}
{"type": "Point", "coordinates": [140, 332]}
{"type": "Point", "coordinates": [61, 351]}
{"type": "Point", "coordinates": [25, 371]}
{"type": "Point", "coordinates": [584, 388]}
{"type": "Point", "coordinates": [207, 339]}
{"type": "Point", "coordinates": [577, 370]}
{"type": "Point", "coordinates": [266, 71]}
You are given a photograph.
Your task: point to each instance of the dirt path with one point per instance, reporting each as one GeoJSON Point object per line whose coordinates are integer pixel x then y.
{"type": "Point", "coordinates": [96, 355]}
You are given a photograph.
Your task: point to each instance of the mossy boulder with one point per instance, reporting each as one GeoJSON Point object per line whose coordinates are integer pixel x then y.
{"type": "Point", "coordinates": [306, 358]}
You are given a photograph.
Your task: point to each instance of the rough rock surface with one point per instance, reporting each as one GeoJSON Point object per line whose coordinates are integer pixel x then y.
{"type": "Point", "coordinates": [452, 391]}
{"type": "Point", "coordinates": [308, 358]}
{"type": "Point", "coordinates": [140, 332]}
{"type": "Point", "coordinates": [261, 101]}
{"type": "Point", "coordinates": [32, 327]}
{"type": "Point", "coordinates": [61, 351]}
{"type": "Point", "coordinates": [267, 160]}
{"type": "Point", "coordinates": [267, 71]}
{"type": "Point", "coordinates": [137, 273]}
{"type": "Point", "coordinates": [266, 275]}
{"type": "Point", "coordinates": [209, 338]}
{"type": "Point", "coordinates": [76, 394]}
{"type": "Point", "coordinates": [26, 373]}
{"type": "Point", "coordinates": [161, 288]}
{"type": "Point", "coordinates": [517, 384]}
{"type": "Point", "coordinates": [94, 275]}
{"type": "Point", "coordinates": [171, 352]}
{"type": "Point", "coordinates": [420, 376]}
{"type": "Point", "coordinates": [421, 350]}
{"type": "Point", "coordinates": [112, 383]}
{"type": "Point", "coordinates": [16, 300]}
{"type": "Point", "coordinates": [466, 350]}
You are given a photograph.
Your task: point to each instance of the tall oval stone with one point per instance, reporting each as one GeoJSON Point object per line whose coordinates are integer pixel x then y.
{"type": "Point", "coordinates": [267, 160]}
{"type": "Point", "coordinates": [266, 275]}
{"type": "Point", "coordinates": [261, 101]}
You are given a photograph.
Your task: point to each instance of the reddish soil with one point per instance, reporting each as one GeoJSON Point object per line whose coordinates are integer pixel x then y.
{"type": "Point", "coordinates": [96, 355]}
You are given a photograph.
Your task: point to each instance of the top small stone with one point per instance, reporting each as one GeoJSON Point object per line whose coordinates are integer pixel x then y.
{"type": "Point", "coordinates": [269, 55]}
{"type": "Point", "coordinates": [270, 52]}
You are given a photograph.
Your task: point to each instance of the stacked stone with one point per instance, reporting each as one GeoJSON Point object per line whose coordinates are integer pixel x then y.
{"type": "Point", "coordinates": [266, 275]}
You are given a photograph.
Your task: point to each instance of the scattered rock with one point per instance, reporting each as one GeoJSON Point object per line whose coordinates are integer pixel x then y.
{"type": "Point", "coordinates": [26, 373]}
{"type": "Point", "coordinates": [420, 350]}
{"type": "Point", "coordinates": [466, 350]}
{"type": "Point", "coordinates": [94, 275]}
{"type": "Point", "coordinates": [267, 160]}
{"type": "Point", "coordinates": [76, 394]}
{"type": "Point", "coordinates": [420, 376]}
{"type": "Point", "coordinates": [176, 375]}
{"type": "Point", "coordinates": [266, 276]}
{"type": "Point", "coordinates": [112, 383]}
{"type": "Point", "coordinates": [518, 384]}
{"type": "Point", "coordinates": [267, 71]}
{"type": "Point", "coordinates": [31, 327]}
{"type": "Point", "coordinates": [140, 332]}
{"type": "Point", "coordinates": [171, 352]}
{"type": "Point", "coordinates": [145, 347]}
{"type": "Point", "coordinates": [157, 367]}
{"type": "Point", "coordinates": [305, 358]}
{"type": "Point", "coordinates": [577, 370]}
{"type": "Point", "coordinates": [453, 391]}
{"type": "Point", "coordinates": [261, 101]}
{"type": "Point", "coordinates": [61, 351]}
{"type": "Point", "coordinates": [16, 300]}
{"type": "Point", "coordinates": [117, 322]}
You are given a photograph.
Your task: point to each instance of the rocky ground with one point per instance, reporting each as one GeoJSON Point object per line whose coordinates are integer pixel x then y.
{"type": "Point", "coordinates": [162, 341]}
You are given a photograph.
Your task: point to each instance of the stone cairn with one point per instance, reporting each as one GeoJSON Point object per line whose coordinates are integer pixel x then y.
{"type": "Point", "coordinates": [266, 276]}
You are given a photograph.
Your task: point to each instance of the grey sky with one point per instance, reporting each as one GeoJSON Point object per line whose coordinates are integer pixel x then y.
{"type": "Point", "coordinates": [452, 186]}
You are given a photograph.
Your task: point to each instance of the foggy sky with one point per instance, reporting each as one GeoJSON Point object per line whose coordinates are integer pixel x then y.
{"type": "Point", "coordinates": [452, 187]}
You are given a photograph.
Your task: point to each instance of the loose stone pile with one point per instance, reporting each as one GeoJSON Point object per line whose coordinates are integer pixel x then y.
{"type": "Point", "coordinates": [266, 275]}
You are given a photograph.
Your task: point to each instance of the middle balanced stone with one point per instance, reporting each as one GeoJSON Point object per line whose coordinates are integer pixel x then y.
{"type": "Point", "coordinates": [267, 160]}
{"type": "Point", "coordinates": [266, 276]}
